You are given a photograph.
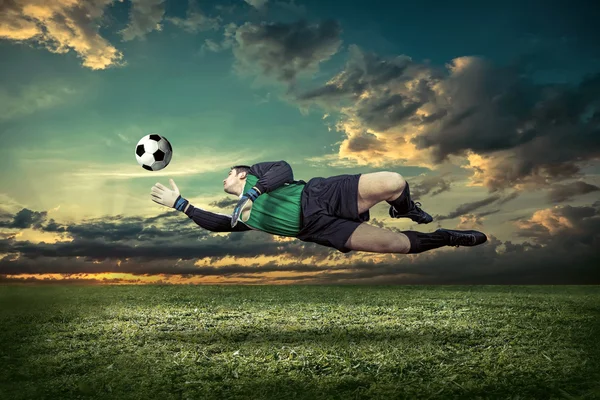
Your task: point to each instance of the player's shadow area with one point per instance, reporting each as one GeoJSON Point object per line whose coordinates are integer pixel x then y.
{"type": "Point", "coordinates": [32, 345]}
{"type": "Point", "coordinates": [144, 358]}
{"type": "Point", "coordinates": [442, 345]}
{"type": "Point", "coordinates": [315, 367]}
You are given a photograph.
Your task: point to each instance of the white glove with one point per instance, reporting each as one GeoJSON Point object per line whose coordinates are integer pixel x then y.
{"type": "Point", "coordinates": [171, 198]}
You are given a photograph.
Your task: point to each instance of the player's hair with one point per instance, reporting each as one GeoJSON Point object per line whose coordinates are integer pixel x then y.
{"type": "Point", "coordinates": [241, 168]}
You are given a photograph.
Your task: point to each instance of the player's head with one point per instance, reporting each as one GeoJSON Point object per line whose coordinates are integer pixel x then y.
{"type": "Point", "coordinates": [236, 179]}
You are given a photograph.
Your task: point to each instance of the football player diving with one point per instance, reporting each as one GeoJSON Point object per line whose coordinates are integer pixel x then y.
{"type": "Point", "coordinates": [329, 211]}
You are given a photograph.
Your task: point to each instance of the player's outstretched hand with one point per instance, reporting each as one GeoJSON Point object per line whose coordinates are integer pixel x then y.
{"type": "Point", "coordinates": [171, 198]}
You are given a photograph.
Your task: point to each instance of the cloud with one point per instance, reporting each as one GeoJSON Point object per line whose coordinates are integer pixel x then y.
{"type": "Point", "coordinates": [61, 27]}
{"type": "Point", "coordinates": [258, 4]}
{"type": "Point", "coordinates": [150, 241]}
{"type": "Point", "coordinates": [196, 20]}
{"type": "Point", "coordinates": [470, 221]}
{"type": "Point", "coordinates": [283, 51]}
{"type": "Point", "coordinates": [510, 197]}
{"type": "Point", "coordinates": [473, 221]}
{"type": "Point", "coordinates": [28, 99]}
{"type": "Point", "coordinates": [229, 32]}
{"type": "Point", "coordinates": [225, 202]}
{"type": "Point", "coordinates": [567, 255]}
{"type": "Point", "coordinates": [384, 97]}
{"type": "Point", "coordinates": [291, 7]}
{"type": "Point", "coordinates": [25, 219]}
{"type": "Point", "coordinates": [512, 131]}
{"type": "Point", "coordinates": [145, 17]}
{"type": "Point", "coordinates": [170, 244]}
{"type": "Point", "coordinates": [364, 141]}
{"type": "Point", "coordinates": [495, 109]}
{"type": "Point", "coordinates": [563, 223]}
{"type": "Point", "coordinates": [430, 184]}
{"type": "Point", "coordinates": [363, 73]}
{"type": "Point", "coordinates": [468, 207]}
{"type": "Point", "coordinates": [211, 45]}
{"type": "Point", "coordinates": [559, 193]}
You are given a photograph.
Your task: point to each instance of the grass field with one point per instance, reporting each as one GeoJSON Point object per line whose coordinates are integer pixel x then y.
{"type": "Point", "coordinates": [299, 342]}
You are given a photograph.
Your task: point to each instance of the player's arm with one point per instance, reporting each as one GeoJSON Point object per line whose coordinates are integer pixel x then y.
{"type": "Point", "coordinates": [211, 221]}
{"type": "Point", "coordinates": [214, 222]}
{"type": "Point", "coordinates": [271, 175]}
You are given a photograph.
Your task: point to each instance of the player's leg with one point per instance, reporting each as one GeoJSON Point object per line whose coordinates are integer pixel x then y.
{"type": "Point", "coordinates": [389, 186]}
{"type": "Point", "coordinates": [376, 187]}
{"type": "Point", "coordinates": [378, 240]}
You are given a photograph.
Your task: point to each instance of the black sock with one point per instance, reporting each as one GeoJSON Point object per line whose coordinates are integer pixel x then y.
{"type": "Point", "coordinates": [420, 242]}
{"type": "Point", "coordinates": [402, 204]}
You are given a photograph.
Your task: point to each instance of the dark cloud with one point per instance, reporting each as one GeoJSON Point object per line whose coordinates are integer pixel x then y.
{"type": "Point", "coordinates": [366, 71]}
{"type": "Point", "coordinates": [363, 142]}
{"type": "Point", "coordinates": [51, 281]}
{"type": "Point", "coordinates": [561, 248]}
{"type": "Point", "coordinates": [140, 266]}
{"type": "Point", "coordinates": [96, 244]}
{"type": "Point", "coordinates": [473, 221]}
{"type": "Point", "coordinates": [145, 16]}
{"type": "Point", "coordinates": [559, 193]}
{"type": "Point", "coordinates": [25, 219]}
{"type": "Point", "coordinates": [570, 225]}
{"type": "Point", "coordinates": [510, 247]}
{"type": "Point", "coordinates": [283, 50]}
{"type": "Point", "coordinates": [173, 245]}
{"type": "Point", "coordinates": [430, 184]}
{"type": "Point", "coordinates": [486, 108]}
{"type": "Point", "coordinates": [496, 108]}
{"type": "Point", "coordinates": [468, 207]}
{"type": "Point", "coordinates": [486, 264]}
{"type": "Point", "coordinates": [510, 197]}
{"type": "Point", "coordinates": [568, 256]}
{"type": "Point", "coordinates": [4, 215]}
{"type": "Point", "coordinates": [486, 213]}
{"type": "Point", "coordinates": [527, 132]}
{"type": "Point", "coordinates": [384, 113]}
{"type": "Point", "coordinates": [226, 202]}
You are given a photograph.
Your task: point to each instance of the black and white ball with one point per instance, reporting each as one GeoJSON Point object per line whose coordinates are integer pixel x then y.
{"type": "Point", "coordinates": [153, 152]}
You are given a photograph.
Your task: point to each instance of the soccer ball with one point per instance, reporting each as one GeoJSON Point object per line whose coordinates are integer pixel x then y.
{"type": "Point", "coordinates": [153, 152]}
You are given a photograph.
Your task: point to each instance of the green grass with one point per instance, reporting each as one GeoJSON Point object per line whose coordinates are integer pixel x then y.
{"type": "Point", "coordinates": [299, 342]}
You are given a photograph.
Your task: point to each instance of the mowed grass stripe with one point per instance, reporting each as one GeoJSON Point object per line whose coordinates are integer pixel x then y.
{"type": "Point", "coordinates": [309, 342]}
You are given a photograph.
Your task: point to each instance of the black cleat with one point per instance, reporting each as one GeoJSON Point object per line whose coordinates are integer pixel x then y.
{"type": "Point", "coordinates": [415, 213]}
{"type": "Point", "coordinates": [464, 238]}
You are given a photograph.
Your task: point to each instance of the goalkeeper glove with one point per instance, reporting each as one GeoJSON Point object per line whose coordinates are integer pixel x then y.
{"type": "Point", "coordinates": [244, 204]}
{"type": "Point", "coordinates": [171, 198]}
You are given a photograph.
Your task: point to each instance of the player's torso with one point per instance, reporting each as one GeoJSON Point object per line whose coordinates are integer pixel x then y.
{"type": "Point", "coordinates": [277, 212]}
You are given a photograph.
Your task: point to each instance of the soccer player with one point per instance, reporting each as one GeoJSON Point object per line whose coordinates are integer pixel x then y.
{"type": "Point", "coordinates": [329, 211]}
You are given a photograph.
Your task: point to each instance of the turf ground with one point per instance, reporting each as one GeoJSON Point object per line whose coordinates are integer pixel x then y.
{"type": "Point", "coordinates": [299, 342]}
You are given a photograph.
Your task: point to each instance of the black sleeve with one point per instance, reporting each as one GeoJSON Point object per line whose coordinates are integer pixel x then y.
{"type": "Point", "coordinates": [214, 222]}
{"type": "Point", "coordinates": [272, 175]}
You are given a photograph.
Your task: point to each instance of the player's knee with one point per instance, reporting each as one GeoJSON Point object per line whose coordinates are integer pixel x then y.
{"type": "Point", "coordinates": [397, 182]}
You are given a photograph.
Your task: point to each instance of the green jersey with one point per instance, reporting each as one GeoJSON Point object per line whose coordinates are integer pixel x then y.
{"type": "Point", "coordinates": [277, 212]}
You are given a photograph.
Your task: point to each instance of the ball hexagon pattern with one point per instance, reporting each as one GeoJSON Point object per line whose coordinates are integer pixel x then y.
{"type": "Point", "coordinates": [153, 152]}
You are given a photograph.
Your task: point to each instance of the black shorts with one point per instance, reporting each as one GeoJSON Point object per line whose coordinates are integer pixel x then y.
{"type": "Point", "coordinates": [330, 211]}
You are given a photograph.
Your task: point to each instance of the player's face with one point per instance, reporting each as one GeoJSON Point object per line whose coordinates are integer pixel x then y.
{"type": "Point", "coordinates": [231, 182]}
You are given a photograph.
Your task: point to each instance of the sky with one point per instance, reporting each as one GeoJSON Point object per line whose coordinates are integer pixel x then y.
{"type": "Point", "coordinates": [490, 111]}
